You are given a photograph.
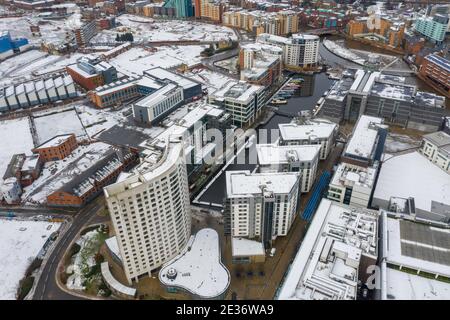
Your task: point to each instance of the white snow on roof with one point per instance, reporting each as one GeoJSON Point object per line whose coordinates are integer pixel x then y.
{"type": "Point", "coordinates": [412, 175]}
{"type": "Point", "coordinates": [243, 183]}
{"type": "Point", "coordinates": [56, 141]}
{"type": "Point", "coordinates": [406, 286]}
{"type": "Point", "coordinates": [242, 247]}
{"type": "Point", "coordinates": [275, 154]}
{"type": "Point", "coordinates": [315, 130]}
{"type": "Point", "coordinates": [362, 142]}
{"type": "Point", "coordinates": [198, 267]}
{"type": "Point", "coordinates": [393, 252]}
{"type": "Point", "coordinates": [20, 242]}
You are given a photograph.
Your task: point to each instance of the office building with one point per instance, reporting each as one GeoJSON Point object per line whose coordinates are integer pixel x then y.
{"type": "Point", "coordinates": [352, 184]}
{"type": "Point", "coordinates": [84, 34]}
{"type": "Point", "coordinates": [436, 147]}
{"type": "Point", "coordinates": [433, 27]}
{"type": "Point", "coordinates": [150, 210]}
{"type": "Point", "coordinates": [90, 72]}
{"type": "Point", "coordinates": [339, 247]}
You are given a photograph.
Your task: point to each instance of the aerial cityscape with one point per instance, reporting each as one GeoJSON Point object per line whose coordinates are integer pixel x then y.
{"type": "Point", "coordinates": [225, 150]}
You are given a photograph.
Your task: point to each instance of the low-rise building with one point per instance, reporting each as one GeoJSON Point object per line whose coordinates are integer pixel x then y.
{"type": "Point", "coordinates": [57, 148]}
{"type": "Point", "coordinates": [198, 269]}
{"type": "Point", "coordinates": [290, 158]}
{"type": "Point", "coordinates": [437, 69]}
{"type": "Point", "coordinates": [91, 73]}
{"type": "Point", "coordinates": [352, 184]}
{"type": "Point", "coordinates": [317, 131]}
{"type": "Point", "coordinates": [339, 247]}
{"type": "Point", "coordinates": [436, 147]}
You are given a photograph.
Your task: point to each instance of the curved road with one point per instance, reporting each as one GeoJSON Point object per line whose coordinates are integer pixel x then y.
{"type": "Point", "coordinates": [47, 288]}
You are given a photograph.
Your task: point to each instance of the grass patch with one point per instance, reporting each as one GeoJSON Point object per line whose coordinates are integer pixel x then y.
{"type": "Point", "coordinates": [25, 286]}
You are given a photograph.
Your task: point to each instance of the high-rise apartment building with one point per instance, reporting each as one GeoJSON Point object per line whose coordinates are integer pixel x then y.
{"type": "Point", "coordinates": [150, 210]}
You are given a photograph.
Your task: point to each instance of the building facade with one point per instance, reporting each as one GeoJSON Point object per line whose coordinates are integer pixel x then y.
{"type": "Point", "coordinates": [150, 212]}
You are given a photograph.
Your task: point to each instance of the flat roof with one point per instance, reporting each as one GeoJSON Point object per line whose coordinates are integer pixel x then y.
{"type": "Point", "coordinates": [198, 268]}
{"type": "Point", "coordinates": [326, 265]}
{"type": "Point", "coordinates": [237, 90]}
{"type": "Point", "coordinates": [417, 246]}
{"type": "Point", "coordinates": [241, 247]}
{"type": "Point", "coordinates": [364, 136]}
{"type": "Point", "coordinates": [350, 175]}
{"type": "Point", "coordinates": [440, 61]}
{"type": "Point", "coordinates": [55, 141]}
{"type": "Point", "coordinates": [163, 74]}
{"type": "Point", "coordinates": [157, 96]}
{"type": "Point", "coordinates": [275, 154]}
{"type": "Point", "coordinates": [311, 131]}
{"type": "Point", "coordinates": [439, 138]}
{"type": "Point", "coordinates": [243, 183]}
{"type": "Point", "coordinates": [412, 175]}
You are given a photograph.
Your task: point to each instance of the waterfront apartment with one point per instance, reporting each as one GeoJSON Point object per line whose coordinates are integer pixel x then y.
{"type": "Point", "coordinates": [290, 158]}
{"type": "Point", "coordinates": [261, 206]}
{"type": "Point", "coordinates": [150, 211]}
{"type": "Point", "coordinates": [317, 131]}
{"type": "Point", "coordinates": [300, 50]}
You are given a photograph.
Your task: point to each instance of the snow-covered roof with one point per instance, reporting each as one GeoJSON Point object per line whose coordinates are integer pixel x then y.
{"type": "Point", "coordinates": [412, 175]}
{"type": "Point", "coordinates": [243, 183]}
{"type": "Point", "coordinates": [417, 246]}
{"type": "Point", "coordinates": [241, 247]}
{"type": "Point", "coordinates": [163, 74]}
{"type": "Point", "coordinates": [311, 131]}
{"type": "Point", "coordinates": [350, 175]}
{"type": "Point", "coordinates": [275, 154]}
{"type": "Point", "coordinates": [326, 265]}
{"type": "Point", "coordinates": [198, 268]}
{"type": "Point", "coordinates": [55, 141]}
{"type": "Point", "coordinates": [364, 137]}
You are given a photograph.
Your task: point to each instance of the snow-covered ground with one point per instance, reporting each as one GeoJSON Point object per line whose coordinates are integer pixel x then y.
{"type": "Point", "coordinates": [15, 138]}
{"type": "Point", "coordinates": [57, 123]}
{"type": "Point", "coordinates": [20, 243]}
{"type": "Point", "coordinates": [343, 52]}
{"type": "Point", "coordinates": [137, 60]}
{"type": "Point", "coordinates": [57, 173]}
{"type": "Point", "coordinates": [399, 142]}
{"type": "Point", "coordinates": [212, 80]}
{"type": "Point", "coordinates": [147, 29]}
{"type": "Point", "coordinates": [83, 260]}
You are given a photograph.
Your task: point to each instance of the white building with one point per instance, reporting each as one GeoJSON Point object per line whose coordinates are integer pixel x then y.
{"type": "Point", "coordinates": [362, 146]}
{"type": "Point", "coordinates": [198, 269]}
{"type": "Point", "coordinates": [153, 107]}
{"type": "Point", "coordinates": [340, 244]}
{"type": "Point", "coordinates": [412, 175]}
{"type": "Point", "coordinates": [262, 205]}
{"type": "Point", "coordinates": [436, 147]}
{"type": "Point", "coordinates": [298, 51]}
{"type": "Point", "coordinates": [321, 132]}
{"type": "Point", "coordinates": [150, 211]}
{"type": "Point", "coordinates": [241, 100]}
{"type": "Point", "coordinates": [296, 158]}
{"type": "Point", "coordinates": [10, 190]}
{"type": "Point", "coordinates": [415, 260]}
{"type": "Point", "coordinates": [352, 184]}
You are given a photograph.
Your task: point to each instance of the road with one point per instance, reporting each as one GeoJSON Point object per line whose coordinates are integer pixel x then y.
{"type": "Point", "coordinates": [47, 288]}
{"type": "Point", "coordinates": [209, 62]}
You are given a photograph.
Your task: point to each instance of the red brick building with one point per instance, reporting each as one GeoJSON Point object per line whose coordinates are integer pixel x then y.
{"type": "Point", "coordinates": [57, 148]}
{"type": "Point", "coordinates": [436, 69]}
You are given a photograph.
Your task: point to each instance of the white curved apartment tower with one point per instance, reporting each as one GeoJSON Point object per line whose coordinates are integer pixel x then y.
{"type": "Point", "coordinates": [150, 211]}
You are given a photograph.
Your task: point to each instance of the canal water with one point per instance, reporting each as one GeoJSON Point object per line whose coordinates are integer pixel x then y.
{"type": "Point", "coordinates": [313, 88]}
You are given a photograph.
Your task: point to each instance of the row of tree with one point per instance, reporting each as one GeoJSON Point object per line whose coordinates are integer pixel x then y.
{"type": "Point", "coordinates": [128, 36]}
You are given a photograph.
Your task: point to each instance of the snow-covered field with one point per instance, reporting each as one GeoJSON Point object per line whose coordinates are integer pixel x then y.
{"type": "Point", "coordinates": [57, 173]}
{"type": "Point", "coordinates": [15, 138]}
{"type": "Point", "coordinates": [147, 29]}
{"type": "Point", "coordinates": [136, 60]}
{"type": "Point", "coordinates": [52, 124]}
{"type": "Point", "coordinates": [399, 142]}
{"type": "Point", "coordinates": [20, 243]}
{"type": "Point", "coordinates": [343, 52]}
{"type": "Point", "coordinates": [52, 31]}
